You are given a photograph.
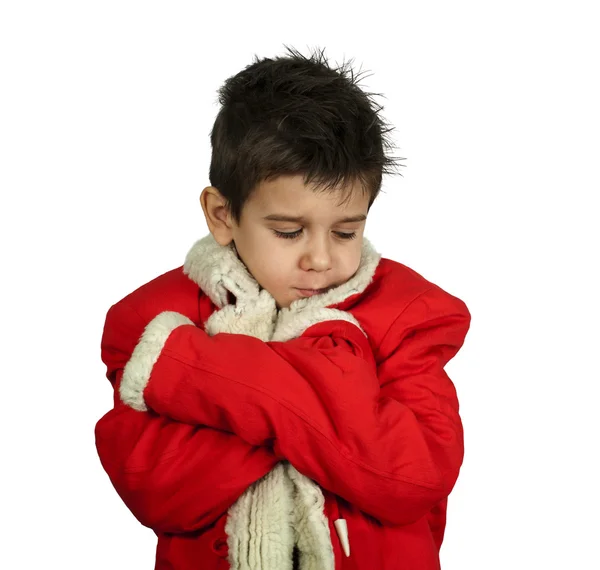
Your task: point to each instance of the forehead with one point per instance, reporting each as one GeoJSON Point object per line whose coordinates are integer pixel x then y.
{"type": "Point", "coordinates": [288, 195]}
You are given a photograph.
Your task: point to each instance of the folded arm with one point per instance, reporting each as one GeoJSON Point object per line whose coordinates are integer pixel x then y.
{"type": "Point", "coordinates": [387, 438]}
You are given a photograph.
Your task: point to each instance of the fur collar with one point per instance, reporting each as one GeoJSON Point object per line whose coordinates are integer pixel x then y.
{"type": "Point", "coordinates": [208, 262]}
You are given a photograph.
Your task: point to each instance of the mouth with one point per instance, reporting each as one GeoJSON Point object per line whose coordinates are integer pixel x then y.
{"type": "Point", "coordinates": [311, 292]}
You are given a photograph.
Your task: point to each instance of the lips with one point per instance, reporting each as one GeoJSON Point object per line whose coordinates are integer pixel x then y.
{"type": "Point", "coordinates": [310, 292]}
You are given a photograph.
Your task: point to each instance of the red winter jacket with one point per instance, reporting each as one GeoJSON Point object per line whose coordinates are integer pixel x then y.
{"type": "Point", "coordinates": [356, 400]}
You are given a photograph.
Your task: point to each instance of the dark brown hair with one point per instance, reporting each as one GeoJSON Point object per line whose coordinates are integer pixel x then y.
{"type": "Point", "coordinates": [297, 115]}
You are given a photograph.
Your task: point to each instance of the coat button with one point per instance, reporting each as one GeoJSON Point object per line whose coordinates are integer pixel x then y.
{"type": "Point", "coordinates": [219, 546]}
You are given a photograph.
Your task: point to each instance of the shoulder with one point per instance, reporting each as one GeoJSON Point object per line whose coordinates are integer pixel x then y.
{"type": "Point", "coordinates": [401, 285]}
{"type": "Point", "coordinates": [171, 291]}
{"type": "Point", "coordinates": [400, 297]}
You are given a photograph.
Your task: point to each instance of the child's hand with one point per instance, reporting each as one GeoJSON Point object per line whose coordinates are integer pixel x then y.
{"type": "Point", "coordinates": [253, 314]}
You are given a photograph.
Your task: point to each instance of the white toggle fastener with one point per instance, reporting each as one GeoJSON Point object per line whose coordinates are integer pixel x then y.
{"type": "Point", "coordinates": [342, 530]}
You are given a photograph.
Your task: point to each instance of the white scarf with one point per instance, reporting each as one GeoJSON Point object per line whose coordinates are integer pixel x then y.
{"type": "Point", "coordinates": [284, 508]}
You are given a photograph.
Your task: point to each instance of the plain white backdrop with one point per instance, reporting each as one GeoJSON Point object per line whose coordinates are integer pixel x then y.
{"type": "Point", "coordinates": [105, 114]}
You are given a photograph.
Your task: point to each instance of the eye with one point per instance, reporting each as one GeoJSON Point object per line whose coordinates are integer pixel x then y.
{"type": "Point", "coordinates": [288, 235]}
{"type": "Point", "coordinates": [297, 233]}
{"type": "Point", "coordinates": [344, 235]}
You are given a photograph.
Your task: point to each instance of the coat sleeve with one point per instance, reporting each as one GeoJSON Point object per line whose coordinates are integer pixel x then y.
{"type": "Point", "coordinates": [387, 438]}
{"type": "Point", "coordinates": [173, 477]}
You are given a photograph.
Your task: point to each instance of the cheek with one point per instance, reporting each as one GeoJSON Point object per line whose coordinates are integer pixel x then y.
{"type": "Point", "coordinates": [275, 267]}
{"type": "Point", "coordinates": [350, 262]}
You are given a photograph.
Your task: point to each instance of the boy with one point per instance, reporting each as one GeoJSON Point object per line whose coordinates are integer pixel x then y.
{"type": "Point", "coordinates": [280, 399]}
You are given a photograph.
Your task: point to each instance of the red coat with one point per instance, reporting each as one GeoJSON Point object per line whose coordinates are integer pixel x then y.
{"type": "Point", "coordinates": [352, 393]}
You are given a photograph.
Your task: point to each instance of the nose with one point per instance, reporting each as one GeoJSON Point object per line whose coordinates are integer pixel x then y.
{"type": "Point", "coordinates": [317, 256]}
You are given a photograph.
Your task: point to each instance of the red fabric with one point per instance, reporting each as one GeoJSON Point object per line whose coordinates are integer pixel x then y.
{"type": "Point", "coordinates": [375, 422]}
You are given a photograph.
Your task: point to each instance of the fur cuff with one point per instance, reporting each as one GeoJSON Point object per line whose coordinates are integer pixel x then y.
{"type": "Point", "coordinates": [292, 324]}
{"type": "Point", "coordinates": [136, 373]}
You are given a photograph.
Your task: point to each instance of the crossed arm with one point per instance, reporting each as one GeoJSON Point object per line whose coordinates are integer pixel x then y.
{"type": "Point", "coordinates": [386, 437]}
{"type": "Point", "coordinates": [173, 477]}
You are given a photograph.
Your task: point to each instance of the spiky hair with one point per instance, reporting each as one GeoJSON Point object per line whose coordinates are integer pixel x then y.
{"type": "Point", "coordinates": [297, 115]}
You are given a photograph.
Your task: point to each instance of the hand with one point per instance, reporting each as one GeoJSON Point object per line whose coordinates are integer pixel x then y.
{"type": "Point", "coordinates": [254, 313]}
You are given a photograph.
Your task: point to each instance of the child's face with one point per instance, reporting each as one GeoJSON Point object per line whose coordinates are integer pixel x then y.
{"type": "Point", "coordinates": [319, 252]}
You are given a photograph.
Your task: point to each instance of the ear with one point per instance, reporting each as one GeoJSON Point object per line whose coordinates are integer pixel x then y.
{"type": "Point", "coordinates": [218, 217]}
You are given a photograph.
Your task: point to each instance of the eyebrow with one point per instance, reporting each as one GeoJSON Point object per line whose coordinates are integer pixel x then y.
{"type": "Point", "coordinates": [300, 219]}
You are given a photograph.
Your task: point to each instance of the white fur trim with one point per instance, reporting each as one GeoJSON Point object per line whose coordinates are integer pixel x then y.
{"type": "Point", "coordinates": [291, 324]}
{"type": "Point", "coordinates": [259, 525]}
{"type": "Point", "coordinates": [255, 318]}
{"type": "Point", "coordinates": [211, 265]}
{"type": "Point", "coordinates": [310, 524]}
{"type": "Point", "coordinates": [145, 354]}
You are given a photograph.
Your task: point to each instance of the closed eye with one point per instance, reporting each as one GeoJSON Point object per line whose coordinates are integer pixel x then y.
{"type": "Point", "coordinates": [288, 235]}
{"type": "Point", "coordinates": [297, 233]}
{"type": "Point", "coordinates": [344, 235]}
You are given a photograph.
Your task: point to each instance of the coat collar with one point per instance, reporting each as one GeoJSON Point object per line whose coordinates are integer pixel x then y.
{"type": "Point", "coordinates": [208, 262]}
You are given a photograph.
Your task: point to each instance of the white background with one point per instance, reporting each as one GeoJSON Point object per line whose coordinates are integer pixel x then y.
{"type": "Point", "coordinates": [105, 114]}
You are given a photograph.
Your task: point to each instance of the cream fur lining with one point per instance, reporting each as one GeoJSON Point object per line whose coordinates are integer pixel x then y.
{"type": "Point", "coordinates": [291, 324]}
{"type": "Point", "coordinates": [284, 507]}
{"type": "Point", "coordinates": [137, 371]}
